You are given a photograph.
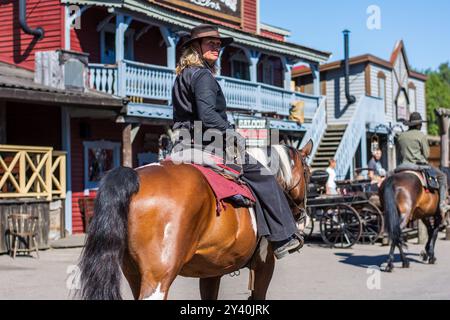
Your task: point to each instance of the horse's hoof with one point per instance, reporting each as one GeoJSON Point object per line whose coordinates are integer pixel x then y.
{"type": "Point", "coordinates": [385, 267]}
{"type": "Point", "coordinates": [432, 260]}
{"type": "Point", "coordinates": [424, 256]}
{"type": "Point", "coordinates": [406, 264]}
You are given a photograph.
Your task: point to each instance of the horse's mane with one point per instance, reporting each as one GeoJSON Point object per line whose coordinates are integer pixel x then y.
{"type": "Point", "coordinates": [281, 168]}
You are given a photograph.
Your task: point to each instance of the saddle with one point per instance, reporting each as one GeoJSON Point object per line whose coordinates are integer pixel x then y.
{"type": "Point", "coordinates": [223, 179]}
{"type": "Point", "coordinates": [427, 177]}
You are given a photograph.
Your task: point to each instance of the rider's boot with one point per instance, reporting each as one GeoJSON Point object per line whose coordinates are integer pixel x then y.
{"type": "Point", "coordinates": [290, 245]}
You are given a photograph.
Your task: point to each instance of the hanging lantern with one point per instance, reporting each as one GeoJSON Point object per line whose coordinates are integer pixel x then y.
{"type": "Point", "coordinates": [374, 143]}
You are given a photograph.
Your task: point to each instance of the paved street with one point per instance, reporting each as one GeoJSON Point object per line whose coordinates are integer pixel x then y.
{"type": "Point", "coordinates": [316, 273]}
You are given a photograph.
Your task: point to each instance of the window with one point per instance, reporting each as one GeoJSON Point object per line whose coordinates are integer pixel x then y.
{"type": "Point", "coordinates": [240, 67]}
{"type": "Point", "coordinates": [268, 71]}
{"type": "Point", "coordinates": [109, 49]}
{"type": "Point", "coordinates": [108, 44]}
{"type": "Point", "coordinates": [412, 93]}
{"type": "Point", "coordinates": [382, 88]}
{"type": "Point", "coordinates": [99, 157]}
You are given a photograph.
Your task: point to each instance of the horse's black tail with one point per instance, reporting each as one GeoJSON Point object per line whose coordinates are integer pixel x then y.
{"type": "Point", "coordinates": [391, 214]}
{"type": "Point", "coordinates": [100, 276]}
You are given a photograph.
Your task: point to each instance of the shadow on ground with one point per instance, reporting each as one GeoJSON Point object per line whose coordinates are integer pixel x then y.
{"type": "Point", "coordinates": [366, 261]}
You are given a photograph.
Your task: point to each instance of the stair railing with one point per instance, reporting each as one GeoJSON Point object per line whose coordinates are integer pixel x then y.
{"type": "Point", "coordinates": [317, 129]}
{"type": "Point", "coordinates": [350, 141]}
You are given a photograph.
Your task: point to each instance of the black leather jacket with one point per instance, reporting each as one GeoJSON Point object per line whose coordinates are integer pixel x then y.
{"type": "Point", "coordinates": [197, 96]}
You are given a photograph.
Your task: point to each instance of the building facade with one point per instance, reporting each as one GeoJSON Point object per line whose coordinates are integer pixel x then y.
{"type": "Point", "coordinates": [385, 92]}
{"type": "Point", "coordinates": [132, 49]}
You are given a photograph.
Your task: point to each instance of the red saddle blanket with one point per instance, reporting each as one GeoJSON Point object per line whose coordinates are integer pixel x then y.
{"type": "Point", "coordinates": [222, 187]}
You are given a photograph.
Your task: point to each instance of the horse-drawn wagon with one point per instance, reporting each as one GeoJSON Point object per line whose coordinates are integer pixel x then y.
{"type": "Point", "coordinates": [344, 219]}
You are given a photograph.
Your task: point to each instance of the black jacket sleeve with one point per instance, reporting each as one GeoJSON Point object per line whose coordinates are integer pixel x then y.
{"type": "Point", "coordinates": [205, 88]}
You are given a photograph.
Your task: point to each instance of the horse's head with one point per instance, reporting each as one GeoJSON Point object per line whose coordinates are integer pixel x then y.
{"type": "Point", "coordinates": [293, 175]}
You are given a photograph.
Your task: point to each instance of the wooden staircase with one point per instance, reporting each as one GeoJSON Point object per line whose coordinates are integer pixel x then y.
{"type": "Point", "coordinates": [328, 146]}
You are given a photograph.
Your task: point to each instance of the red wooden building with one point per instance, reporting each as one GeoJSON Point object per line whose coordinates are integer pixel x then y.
{"type": "Point", "coordinates": [131, 48]}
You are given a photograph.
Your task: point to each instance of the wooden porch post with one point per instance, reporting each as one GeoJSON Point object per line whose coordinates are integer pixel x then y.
{"type": "Point", "coordinates": [66, 146]}
{"type": "Point", "coordinates": [128, 135]}
{"type": "Point", "coordinates": [219, 61]}
{"type": "Point", "coordinates": [364, 150]}
{"type": "Point", "coordinates": [253, 57]}
{"type": "Point", "coordinates": [315, 71]}
{"type": "Point", "coordinates": [444, 123]}
{"type": "Point", "coordinates": [122, 23]}
{"type": "Point", "coordinates": [171, 44]}
{"type": "Point", "coordinates": [127, 156]}
{"type": "Point", "coordinates": [2, 122]}
{"type": "Point", "coordinates": [287, 66]}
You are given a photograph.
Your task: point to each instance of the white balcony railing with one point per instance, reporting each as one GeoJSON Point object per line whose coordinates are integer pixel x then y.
{"type": "Point", "coordinates": [103, 78]}
{"type": "Point", "coordinates": [135, 79]}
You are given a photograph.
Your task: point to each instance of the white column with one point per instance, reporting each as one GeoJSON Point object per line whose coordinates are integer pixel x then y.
{"type": "Point", "coordinates": [171, 44]}
{"type": "Point", "coordinates": [253, 57]}
{"type": "Point", "coordinates": [364, 150]}
{"type": "Point", "coordinates": [66, 146]}
{"type": "Point", "coordinates": [315, 71]}
{"type": "Point", "coordinates": [287, 67]}
{"type": "Point", "coordinates": [67, 24]}
{"type": "Point", "coordinates": [219, 62]}
{"type": "Point", "coordinates": [122, 24]}
{"type": "Point", "coordinates": [72, 13]}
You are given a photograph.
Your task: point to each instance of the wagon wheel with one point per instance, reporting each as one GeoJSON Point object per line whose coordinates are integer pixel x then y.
{"type": "Point", "coordinates": [306, 225]}
{"type": "Point", "coordinates": [340, 226]}
{"type": "Point", "coordinates": [372, 223]}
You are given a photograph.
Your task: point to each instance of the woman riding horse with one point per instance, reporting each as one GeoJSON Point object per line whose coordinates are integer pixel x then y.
{"type": "Point", "coordinates": [197, 96]}
{"type": "Point", "coordinates": [161, 220]}
{"type": "Point", "coordinates": [405, 199]}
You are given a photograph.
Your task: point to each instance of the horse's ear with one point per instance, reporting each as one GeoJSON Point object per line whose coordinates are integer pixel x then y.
{"type": "Point", "coordinates": [307, 149]}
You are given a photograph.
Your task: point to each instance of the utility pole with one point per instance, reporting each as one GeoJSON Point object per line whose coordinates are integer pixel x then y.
{"type": "Point", "coordinates": [444, 121]}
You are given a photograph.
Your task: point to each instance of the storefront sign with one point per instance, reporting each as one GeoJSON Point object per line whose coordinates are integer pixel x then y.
{"type": "Point", "coordinates": [254, 130]}
{"type": "Point", "coordinates": [226, 9]}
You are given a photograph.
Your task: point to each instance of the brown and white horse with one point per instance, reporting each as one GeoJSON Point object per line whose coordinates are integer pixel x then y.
{"type": "Point", "coordinates": [160, 221]}
{"type": "Point", "coordinates": [404, 199]}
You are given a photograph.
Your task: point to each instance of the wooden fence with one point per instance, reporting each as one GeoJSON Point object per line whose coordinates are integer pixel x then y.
{"type": "Point", "coordinates": [37, 172]}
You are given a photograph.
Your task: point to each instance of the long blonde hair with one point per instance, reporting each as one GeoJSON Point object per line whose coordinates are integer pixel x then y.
{"type": "Point", "coordinates": [191, 58]}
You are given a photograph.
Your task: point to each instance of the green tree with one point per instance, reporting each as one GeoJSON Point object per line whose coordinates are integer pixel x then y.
{"type": "Point", "coordinates": [438, 94]}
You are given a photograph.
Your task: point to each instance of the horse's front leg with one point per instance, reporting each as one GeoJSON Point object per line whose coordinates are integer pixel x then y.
{"type": "Point", "coordinates": [262, 268]}
{"type": "Point", "coordinates": [209, 288]}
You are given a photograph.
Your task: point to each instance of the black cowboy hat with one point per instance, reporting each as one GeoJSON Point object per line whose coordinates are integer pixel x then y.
{"type": "Point", "coordinates": [206, 31]}
{"type": "Point", "coordinates": [414, 119]}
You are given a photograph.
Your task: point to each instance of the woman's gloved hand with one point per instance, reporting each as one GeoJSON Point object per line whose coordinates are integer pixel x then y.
{"type": "Point", "coordinates": [235, 145]}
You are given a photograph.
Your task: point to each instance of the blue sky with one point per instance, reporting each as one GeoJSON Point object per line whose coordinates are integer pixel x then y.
{"type": "Point", "coordinates": [424, 26]}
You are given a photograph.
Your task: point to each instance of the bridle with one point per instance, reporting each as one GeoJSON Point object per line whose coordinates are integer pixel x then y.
{"type": "Point", "coordinates": [306, 173]}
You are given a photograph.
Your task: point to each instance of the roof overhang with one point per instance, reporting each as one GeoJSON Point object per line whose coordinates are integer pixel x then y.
{"type": "Point", "coordinates": [277, 30]}
{"type": "Point", "coordinates": [53, 98]}
{"type": "Point", "coordinates": [367, 58]}
{"type": "Point", "coordinates": [184, 21]}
